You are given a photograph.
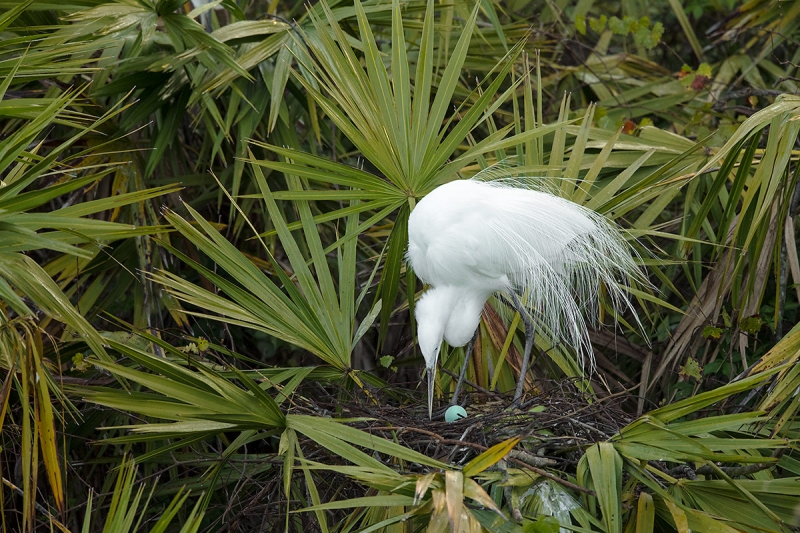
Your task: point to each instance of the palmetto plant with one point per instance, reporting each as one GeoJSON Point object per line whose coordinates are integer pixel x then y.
{"type": "Point", "coordinates": [611, 473]}
{"type": "Point", "coordinates": [33, 176]}
{"type": "Point", "coordinates": [287, 145]}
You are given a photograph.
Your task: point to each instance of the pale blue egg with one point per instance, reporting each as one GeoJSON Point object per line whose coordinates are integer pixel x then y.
{"type": "Point", "coordinates": [454, 412]}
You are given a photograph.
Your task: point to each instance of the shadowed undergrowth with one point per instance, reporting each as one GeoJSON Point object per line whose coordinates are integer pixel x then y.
{"type": "Point", "coordinates": [207, 320]}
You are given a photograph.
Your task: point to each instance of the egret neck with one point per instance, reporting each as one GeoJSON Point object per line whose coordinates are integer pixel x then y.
{"type": "Point", "coordinates": [446, 312]}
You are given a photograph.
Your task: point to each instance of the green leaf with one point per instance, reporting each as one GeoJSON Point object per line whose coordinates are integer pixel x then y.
{"type": "Point", "coordinates": [390, 281]}
{"type": "Point", "coordinates": [489, 457]}
{"type": "Point", "coordinates": [605, 468]}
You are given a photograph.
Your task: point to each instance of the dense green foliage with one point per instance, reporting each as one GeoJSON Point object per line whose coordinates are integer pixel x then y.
{"type": "Point", "coordinates": [206, 319]}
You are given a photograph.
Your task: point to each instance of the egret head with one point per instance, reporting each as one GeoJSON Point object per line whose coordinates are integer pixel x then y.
{"type": "Point", "coordinates": [432, 312]}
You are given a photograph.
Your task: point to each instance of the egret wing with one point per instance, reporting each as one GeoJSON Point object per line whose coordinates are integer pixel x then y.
{"type": "Point", "coordinates": [492, 236]}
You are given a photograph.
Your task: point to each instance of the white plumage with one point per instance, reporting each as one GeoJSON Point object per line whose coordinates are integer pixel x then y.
{"type": "Point", "coordinates": [469, 239]}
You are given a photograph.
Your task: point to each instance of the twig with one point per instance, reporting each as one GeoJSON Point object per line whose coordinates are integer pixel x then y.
{"type": "Point", "coordinates": [452, 442]}
{"type": "Point", "coordinates": [38, 506]}
{"type": "Point", "coordinates": [586, 426]}
{"type": "Point", "coordinates": [733, 95]}
{"type": "Point", "coordinates": [682, 471]}
{"type": "Point", "coordinates": [783, 79]}
{"type": "Point", "coordinates": [734, 471]}
{"type": "Point", "coordinates": [530, 459]}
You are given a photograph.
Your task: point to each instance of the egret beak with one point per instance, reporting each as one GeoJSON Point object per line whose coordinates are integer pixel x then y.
{"type": "Point", "coordinates": [431, 379]}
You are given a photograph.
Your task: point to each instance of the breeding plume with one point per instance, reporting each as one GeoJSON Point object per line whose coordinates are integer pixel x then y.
{"type": "Point", "coordinates": [469, 239]}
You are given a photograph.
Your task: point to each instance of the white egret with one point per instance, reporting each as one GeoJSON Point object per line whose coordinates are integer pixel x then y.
{"type": "Point", "coordinates": [469, 239]}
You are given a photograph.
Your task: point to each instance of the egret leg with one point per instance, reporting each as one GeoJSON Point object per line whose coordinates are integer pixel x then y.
{"type": "Point", "coordinates": [526, 356]}
{"type": "Point", "coordinates": [462, 375]}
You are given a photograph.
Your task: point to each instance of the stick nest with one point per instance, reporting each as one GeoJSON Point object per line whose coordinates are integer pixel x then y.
{"type": "Point", "coordinates": [554, 426]}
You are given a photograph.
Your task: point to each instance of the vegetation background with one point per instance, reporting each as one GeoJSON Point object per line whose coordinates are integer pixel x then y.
{"type": "Point", "coordinates": [206, 320]}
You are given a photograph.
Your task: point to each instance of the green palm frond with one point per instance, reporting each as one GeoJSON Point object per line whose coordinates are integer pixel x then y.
{"type": "Point", "coordinates": [314, 315]}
